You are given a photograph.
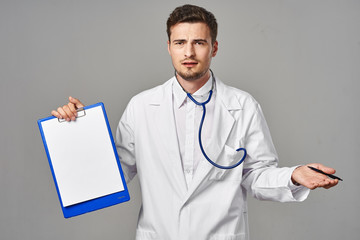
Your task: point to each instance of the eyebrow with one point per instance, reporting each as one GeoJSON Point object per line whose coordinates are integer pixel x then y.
{"type": "Point", "coordinates": [195, 40]}
{"type": "Point", "coordinates": [179, 40]}
{"type": "Point", "coordinates": [200, 40]}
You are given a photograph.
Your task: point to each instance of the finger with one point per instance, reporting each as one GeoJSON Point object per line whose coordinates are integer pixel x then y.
{"type": "Point", "coordinates": [312, 185]}
{"type": "Point", "coordinates": [328, 183]}
{"type": "Point", "coordinates": [69, 113]}
{"type": "Point", "coordinates": [56, 114]}
{"type": "Point", "coordinates": [323, 168]}
{"type": "Point", "coordinates": [325, 182]}
{"type": "Point", "coordinates": [77, 102]}
{"type": "Point", "coordinates": [332, 184]}
{"type": "Point", "coordinates": [63, 114]}
{"type": "Point", "coordinates": [72, 108]}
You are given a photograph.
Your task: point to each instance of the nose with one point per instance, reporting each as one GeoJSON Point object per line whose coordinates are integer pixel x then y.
{"type": "Point", "coordinates": [189, 50]}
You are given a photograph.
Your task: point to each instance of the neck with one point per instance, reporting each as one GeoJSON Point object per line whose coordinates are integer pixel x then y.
{"type": "Point", "coordinates": [192, 86]}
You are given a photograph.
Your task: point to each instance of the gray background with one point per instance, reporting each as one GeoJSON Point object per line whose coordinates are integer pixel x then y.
{"type": "Point", "coordinates": [300, 60]}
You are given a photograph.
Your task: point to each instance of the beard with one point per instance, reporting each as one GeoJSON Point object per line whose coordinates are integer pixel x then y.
{"type": "Point", "coordinates": [190, 75]}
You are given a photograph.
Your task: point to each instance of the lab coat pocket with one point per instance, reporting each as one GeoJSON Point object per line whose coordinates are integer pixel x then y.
{"type": "Point", "coordinates": [228, 156]}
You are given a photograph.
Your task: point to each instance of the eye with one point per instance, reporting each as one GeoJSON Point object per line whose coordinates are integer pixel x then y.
{"type": "Point", "coordinates": [200, 42]}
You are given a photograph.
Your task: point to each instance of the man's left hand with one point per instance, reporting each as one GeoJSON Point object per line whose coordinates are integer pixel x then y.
{"type": "Point", "coordinates": [309, 178]}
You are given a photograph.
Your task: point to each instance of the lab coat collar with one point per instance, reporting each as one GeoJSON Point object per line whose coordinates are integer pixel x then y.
{"type": "Point", "coordinates": [200, 95]}
{"type": "Point", "coordinates": [179, 94]}
{"type": "Point", "coordinates": [229, 101]}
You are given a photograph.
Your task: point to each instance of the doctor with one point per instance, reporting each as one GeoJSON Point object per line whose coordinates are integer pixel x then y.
{"type": "Point", "coordinates": [184, 196]}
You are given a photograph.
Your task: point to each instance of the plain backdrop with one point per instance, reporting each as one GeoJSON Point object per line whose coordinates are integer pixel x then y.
{"type": "Point", "coordinates": [299, 59]}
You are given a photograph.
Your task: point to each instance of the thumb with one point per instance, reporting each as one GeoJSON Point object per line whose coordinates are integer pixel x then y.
{"type": "Point", "coordinates": [323, 168]}
{"type": "Point", "coordinates": [76, 102]}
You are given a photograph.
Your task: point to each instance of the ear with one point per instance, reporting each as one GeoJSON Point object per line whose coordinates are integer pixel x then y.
{"type": "Point", "coordinates": [168, 44]}
{"type": "Point", "coordinates": [215, 49]}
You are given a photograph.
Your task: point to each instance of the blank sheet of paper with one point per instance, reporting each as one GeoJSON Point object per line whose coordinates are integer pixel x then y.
{"type": "Point", "coordinates": [83, 157]}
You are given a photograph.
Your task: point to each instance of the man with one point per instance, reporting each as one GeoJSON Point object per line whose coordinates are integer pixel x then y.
{"type": "Point", "coordinates": [184, 196]}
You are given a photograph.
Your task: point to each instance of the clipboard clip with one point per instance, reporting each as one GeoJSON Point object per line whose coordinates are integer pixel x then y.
{"type": "Point", "coordinates": [81, 113]}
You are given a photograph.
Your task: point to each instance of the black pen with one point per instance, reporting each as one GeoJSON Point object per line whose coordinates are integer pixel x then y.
{"type": "Point", "coordinates": [329, 175]}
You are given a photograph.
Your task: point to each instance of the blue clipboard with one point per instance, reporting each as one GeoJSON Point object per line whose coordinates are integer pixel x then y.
{"type": "Point", "coordinates": [87, 172]}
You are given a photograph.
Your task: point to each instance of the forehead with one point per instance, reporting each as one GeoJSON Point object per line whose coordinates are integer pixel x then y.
{"type": "Point", "coordinates": [187, 30]}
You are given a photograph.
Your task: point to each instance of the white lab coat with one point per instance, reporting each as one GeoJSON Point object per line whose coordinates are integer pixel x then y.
{"type": "Point", "coordinates": [214, 206]}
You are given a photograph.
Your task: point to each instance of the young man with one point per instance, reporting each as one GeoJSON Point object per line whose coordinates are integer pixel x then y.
{"type": "Point", "coordinates": [184, 196]}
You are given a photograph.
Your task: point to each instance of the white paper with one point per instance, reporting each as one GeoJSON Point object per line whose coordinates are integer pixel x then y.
{"type": "Point", "coordinates": [83, 158]}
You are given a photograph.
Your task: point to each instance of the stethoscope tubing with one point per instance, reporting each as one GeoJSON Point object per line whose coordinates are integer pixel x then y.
{"type": "Point", "coordinates": [200, 130]}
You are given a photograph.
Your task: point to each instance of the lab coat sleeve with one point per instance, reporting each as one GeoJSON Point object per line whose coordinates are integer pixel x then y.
{"type": "Point", "coordinates": [125, 143]}
{"type": "Point", "coordinates": [261, 176]}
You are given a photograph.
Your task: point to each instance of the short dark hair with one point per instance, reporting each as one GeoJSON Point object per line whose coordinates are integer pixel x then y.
{"type": "Point", "coordinates": [192, 14]}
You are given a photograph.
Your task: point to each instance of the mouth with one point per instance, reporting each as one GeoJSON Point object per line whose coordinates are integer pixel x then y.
{"type": "Point", "coordinates": [189, 64]}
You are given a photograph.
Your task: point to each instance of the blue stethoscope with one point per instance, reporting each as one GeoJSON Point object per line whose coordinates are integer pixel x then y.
{"type": "Point", "coordinates": [201, 124]}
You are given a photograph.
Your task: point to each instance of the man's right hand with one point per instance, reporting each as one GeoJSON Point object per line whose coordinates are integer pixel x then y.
{"type": "Point", "coordinates": [68, 111]}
